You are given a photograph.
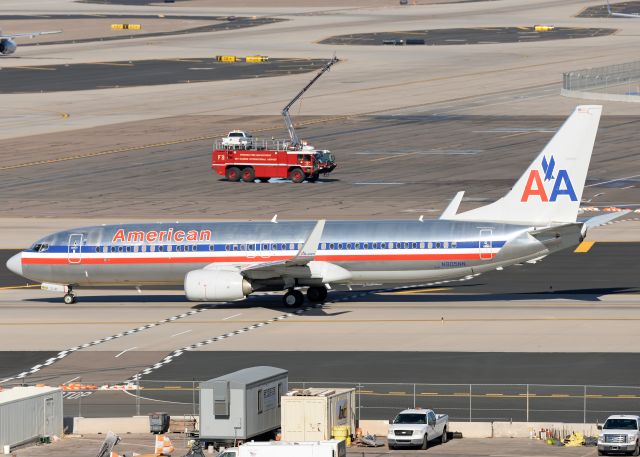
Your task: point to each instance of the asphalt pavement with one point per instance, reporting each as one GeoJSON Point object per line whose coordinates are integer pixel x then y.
{"type": "Point", "coordinates": [104, 75]}
{"type": "Point", "coordinates": [460, 36]}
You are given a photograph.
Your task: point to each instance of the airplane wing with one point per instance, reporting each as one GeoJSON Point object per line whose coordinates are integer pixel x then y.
{"type": "Point", "coordinates": [305, 255]}
{"type": "Point", "coordinates": [30, 34]}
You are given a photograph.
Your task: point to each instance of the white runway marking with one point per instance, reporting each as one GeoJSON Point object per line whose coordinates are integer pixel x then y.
{"type": "Point", "coordinates": [126, 350]}
{"type": "Point", "coordinates": [231, 317]}
{"type": "Point", "coordinates": [378, 183]}
{"type": "Point", "coordinates": [612, 180]}
{"type": "Point", "coordinates": [181, 333]}
{"type": "Point", "coordinates": [71, 380]}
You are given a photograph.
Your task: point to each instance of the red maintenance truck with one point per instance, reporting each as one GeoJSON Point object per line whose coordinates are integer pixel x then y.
{"type": "Point", "coordinates": [264, 159]}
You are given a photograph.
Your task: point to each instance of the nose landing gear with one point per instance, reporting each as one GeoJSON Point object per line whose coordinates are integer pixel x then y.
{"type": "Point", "coordinates": [69, 297]}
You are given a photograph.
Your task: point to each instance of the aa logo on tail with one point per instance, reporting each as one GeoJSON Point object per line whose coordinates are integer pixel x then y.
{"type": "Point", "coordinates": [535, 186]}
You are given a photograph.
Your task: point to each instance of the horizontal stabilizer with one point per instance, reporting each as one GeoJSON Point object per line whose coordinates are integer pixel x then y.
{"type": "Point", "coordinates": [604, 218]}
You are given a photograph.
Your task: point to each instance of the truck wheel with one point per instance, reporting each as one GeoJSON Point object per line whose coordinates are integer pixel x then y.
{"type": "Point", "coordinates": [248, 174]}
{"type": "Point", "coordinates": [636, 451]}
{"type": "Point", "coordinates": [391, 447]}
{"type": "Point", "coordinates": [444, 436]}
{"type": "Point", "coordinates": [313, 178]}
{"type": "Point", "coordinates": [263, 179]}
{"type": "Point", "coordinates": [296, 175]}
{"type": "Point", "coordinates": [425, 443]}
{"type": "Point", "coordinates": [601, 452]}
{"type": "Point", "coordinates": [233, 174]}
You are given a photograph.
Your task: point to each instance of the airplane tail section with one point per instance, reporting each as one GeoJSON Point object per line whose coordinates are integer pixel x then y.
{"type": "Point", "coordinates": [550, 190]}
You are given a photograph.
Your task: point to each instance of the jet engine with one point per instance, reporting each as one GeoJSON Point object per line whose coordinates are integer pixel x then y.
{"type": "Point", "coordinates": [215, 285]}
{"type": "Point", "coordinates": [7, 46]}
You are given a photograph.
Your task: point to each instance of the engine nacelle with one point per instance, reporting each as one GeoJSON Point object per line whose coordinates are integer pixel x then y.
{"type": "Point", "coordinates": [7, 46]}
{"type": "Point", "coordinates": [215, 285]}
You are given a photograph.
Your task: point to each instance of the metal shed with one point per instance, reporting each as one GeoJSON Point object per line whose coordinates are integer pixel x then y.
{"type": "Point", "coordinates": [242, 405]}
{"type": "Point", "coordinates": [27, 413]}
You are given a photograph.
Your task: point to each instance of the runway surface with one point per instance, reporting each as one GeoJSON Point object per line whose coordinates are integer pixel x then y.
{"type": "Point", "coordinates": [389, 167]}
{"type": "Point", "coordinates": [105, 75]}
{"type": "Point", "coordinates": [456, 36]}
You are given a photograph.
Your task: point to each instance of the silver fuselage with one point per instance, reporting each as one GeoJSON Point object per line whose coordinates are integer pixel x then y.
{"type": "Point", "coordinates": [371, 251]}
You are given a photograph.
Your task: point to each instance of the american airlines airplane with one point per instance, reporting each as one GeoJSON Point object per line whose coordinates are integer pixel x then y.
{"type": "Point", "coordinates": [223, 261]}
{"type": "Point", "coordinates": [8, 44]}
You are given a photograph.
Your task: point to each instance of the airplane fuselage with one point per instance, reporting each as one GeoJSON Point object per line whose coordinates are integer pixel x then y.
{"type": "Point", "coordinates": [370, 251]}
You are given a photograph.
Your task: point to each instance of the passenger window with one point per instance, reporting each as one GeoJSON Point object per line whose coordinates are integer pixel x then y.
{"type": "Point", "coordinates": [211, 247]}
{"type": "Point", "coordinates": [454, 244]}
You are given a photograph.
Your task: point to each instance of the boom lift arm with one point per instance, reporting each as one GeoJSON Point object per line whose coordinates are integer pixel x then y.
{"type": "Point", "coordinates": [295, 141]}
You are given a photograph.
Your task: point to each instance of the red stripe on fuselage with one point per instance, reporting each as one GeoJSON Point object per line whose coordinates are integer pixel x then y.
{"type": "Point", "coordinates": [237, 259]}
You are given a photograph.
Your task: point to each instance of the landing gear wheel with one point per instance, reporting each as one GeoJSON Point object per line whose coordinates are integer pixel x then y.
{"type": "Point", "coordinates": [69, 299]}
{"type": "Point", "coordinates": [233, 174]}
{"type": "Point", "coordinates": [248, 174]}
{"type": "Point", "coordinates": [296, 175]}
{"type": "Point", "coordinates": [317, 294]}
{"type": "Point", "coordinates": [293, 299]}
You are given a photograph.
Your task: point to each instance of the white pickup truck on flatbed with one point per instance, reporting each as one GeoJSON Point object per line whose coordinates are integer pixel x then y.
{"type": "Point", "coordinates": [416, 427]}
{"type": "Point", "coordinates": [620, 434]}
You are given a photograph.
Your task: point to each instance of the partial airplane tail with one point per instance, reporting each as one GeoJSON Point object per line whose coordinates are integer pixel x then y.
{"type": "Point", "coordinates": [550, 190]}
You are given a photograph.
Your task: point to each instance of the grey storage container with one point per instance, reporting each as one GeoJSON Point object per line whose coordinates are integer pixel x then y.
{"type": "Point", "coordinates": [159, 422]}
{"type": "Point", "coordinates": [242, 405]}
{"type": "Point", "coordinates": [29, 413]}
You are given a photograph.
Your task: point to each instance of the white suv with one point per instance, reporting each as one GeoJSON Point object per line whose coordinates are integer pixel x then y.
{"type": "Point", "coordinates": [238, 138]}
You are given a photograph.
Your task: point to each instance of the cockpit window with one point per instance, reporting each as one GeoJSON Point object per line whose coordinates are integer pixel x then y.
{"type": "Point", "coordinates": [40, 247]}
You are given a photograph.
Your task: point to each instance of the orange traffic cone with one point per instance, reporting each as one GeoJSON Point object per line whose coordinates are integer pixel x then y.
{"type": "Point", "coordinates": [163, 445]}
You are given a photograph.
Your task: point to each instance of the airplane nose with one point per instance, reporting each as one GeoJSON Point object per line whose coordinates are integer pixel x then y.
{"type": "Point", "coordinates": [14, 264]}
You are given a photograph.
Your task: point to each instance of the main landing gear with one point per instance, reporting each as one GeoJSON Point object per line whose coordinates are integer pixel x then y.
{"type": "Point", "coordinates": [294, 298]}
{"type": "Point", "coordinates": [69, 298]}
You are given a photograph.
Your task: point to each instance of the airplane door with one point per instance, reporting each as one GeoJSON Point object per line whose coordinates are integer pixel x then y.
{"type": "Point", "coordinates": [75, 248]}
{"type": "Point", "coordinates": [486, 243]}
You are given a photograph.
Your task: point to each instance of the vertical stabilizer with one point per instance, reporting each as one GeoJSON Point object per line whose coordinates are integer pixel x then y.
{"type": "Point", "coordinates": [551, 188]}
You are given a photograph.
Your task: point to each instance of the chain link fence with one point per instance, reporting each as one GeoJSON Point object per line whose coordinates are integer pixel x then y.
{"type": "Point", "coordinates": [462, 402]}
{"type": "Point", "coordinates": [622, 80]}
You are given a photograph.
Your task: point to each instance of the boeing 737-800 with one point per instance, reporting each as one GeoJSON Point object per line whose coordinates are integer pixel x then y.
{"type": "Point", "coordinates": [222, 261]}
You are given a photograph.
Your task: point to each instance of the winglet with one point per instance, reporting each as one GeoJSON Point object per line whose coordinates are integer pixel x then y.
{"type": "Point", "coordinates": [452, 209]}
{"type": "Point", "coordinates": [311, 245]}
{"type": "Point", "coordinates": [274, 219]}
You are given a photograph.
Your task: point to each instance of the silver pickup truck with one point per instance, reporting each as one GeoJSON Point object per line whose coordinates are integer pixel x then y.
{"type": "Point", "coordinates": [417, 427]}
{"type": "Point", "coordinates": [620, 433]}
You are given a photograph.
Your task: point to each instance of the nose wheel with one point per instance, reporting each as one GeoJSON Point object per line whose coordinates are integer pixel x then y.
{"type": "Point", "coordinates": [293, 299]}
{"type": "Point", "coordinates": [69, 298]}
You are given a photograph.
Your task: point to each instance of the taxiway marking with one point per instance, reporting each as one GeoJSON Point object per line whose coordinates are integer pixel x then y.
{"type": "Point", "coordinates": [585, 246]}
{"type": "Point", "coordinates": [126, 350]}
{"type": "Point", "coordinates": [231, 317]}
{"type": "Point", "coordinates": [420, 291]}
{"type": "Point", "coordinates": [181, 333]}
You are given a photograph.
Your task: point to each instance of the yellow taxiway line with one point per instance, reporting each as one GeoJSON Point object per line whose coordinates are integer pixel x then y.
{"type": "Point", "coordinates": [585, 246]}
